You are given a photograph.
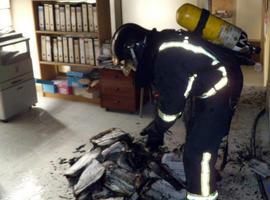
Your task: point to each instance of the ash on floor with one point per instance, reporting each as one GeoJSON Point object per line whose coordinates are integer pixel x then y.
{"type": "Point", "coordinates": [238, 182]}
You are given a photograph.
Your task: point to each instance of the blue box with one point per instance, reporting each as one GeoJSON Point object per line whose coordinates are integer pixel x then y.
{"type": "Point", "coordinates": [48, 86]}
{"type": "Point", "coordinates": [78, 74]}
{"type": "Point", "coordinates": [75, 82]}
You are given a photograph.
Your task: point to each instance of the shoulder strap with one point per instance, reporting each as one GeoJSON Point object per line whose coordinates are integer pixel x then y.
{"type": "Point", "coordinates": [202, 22]}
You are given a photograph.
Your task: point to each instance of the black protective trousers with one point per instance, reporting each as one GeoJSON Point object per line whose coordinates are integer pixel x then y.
{"type": "Point", "coordinates": [207, 123]}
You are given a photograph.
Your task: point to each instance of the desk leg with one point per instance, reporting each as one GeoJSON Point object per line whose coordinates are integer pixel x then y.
{"type": "Point", "coordinates": [141, 101]}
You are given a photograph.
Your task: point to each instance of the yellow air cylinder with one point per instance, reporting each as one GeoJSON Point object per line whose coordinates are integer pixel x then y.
{"type": "Point", "coordinates": [215, 30]}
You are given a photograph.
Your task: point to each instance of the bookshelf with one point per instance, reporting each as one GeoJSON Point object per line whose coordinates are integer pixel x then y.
{"type": "Point", "coordinates": [70, 33]}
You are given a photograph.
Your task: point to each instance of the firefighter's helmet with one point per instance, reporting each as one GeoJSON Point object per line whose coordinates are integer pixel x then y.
{"type": "Point", "coordinates": [127, 46]}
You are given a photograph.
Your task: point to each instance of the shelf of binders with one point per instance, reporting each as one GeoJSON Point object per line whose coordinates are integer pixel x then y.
{"type": "Point", "coordinates": [69, 50]}
{"type": "Point", "coordinates": [69, 64]}
{"type": "Point", "coordinates": [74, 34]}
{"type": "Point", "coordinates": [66, 16]}
{"type": "Point", "coordinates": [70, 33]}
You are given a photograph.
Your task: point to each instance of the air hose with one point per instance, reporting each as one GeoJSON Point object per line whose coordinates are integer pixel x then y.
{"type": "Point", "coordinates": [253, 133]}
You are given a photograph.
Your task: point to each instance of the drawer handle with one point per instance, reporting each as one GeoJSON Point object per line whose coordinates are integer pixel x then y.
{"type": "Point", "coordinates": [19, 88]}
{"type": "Point", "coordinates": [117, 89]}
{"type": "Point", "coordinates": [116, 101]}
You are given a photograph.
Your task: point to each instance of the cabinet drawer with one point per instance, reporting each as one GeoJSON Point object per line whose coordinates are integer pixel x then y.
{"type": "Point", "coordinates": [119, 103]}
{"type": "Point", "coordinates": [118, 90]}
{"type": "Point", "coordinates": [115, 76]}
{"type": "Point", "coordinates": [107, 83]}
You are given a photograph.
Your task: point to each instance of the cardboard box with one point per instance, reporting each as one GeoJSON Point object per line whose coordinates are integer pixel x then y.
{"type": "Point", "coordinates": [85, 92]}
{"type": "Point", "coordinates": [63, 88]}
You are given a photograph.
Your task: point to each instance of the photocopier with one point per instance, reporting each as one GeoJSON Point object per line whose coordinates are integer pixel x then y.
{"type": "Point", "coordinates": [17, 84]}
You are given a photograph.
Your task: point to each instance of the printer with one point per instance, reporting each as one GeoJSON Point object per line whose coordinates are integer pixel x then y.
{"type": "Point", "coordinates": [17, 84]}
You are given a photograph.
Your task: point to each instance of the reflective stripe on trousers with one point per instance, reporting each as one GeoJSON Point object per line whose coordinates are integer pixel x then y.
{"type": "Point", "coordinates": [205, 181]}
{"type": "Point", "coordinates": [205, 174]}
{"type": "Point", "coordinates": [212, 196]}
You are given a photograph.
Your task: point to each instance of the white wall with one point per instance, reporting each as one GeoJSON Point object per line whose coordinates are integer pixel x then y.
{"type": "Point", "coordinates": [148, 13]}
{"type": "Point", "coordinates": [249, 17]}
{"type": "Point", "coordinates": [161, 13]}
{"type": "Point", "coordinates": [152, 13]}
{"type": "Point", "coordinates": [23, 22]}
{"type": "Point", "coordinates": [266, 35]}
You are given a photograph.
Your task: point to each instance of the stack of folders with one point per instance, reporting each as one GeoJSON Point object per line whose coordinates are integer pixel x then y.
{"type": "Point", "coordinates": [105, 57]}
{"type": "Point", "coordinates": [69, 49]}
{"type": "Point", "coordinates": [68, 17]}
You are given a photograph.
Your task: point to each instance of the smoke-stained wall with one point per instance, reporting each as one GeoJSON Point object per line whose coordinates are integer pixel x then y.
{"type": "Point", "coordinates": [249, 17]}
{"type": "Point", "coordinates": [160, 14]}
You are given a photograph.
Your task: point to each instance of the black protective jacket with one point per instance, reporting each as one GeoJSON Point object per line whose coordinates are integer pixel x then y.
{"type": "Point", "coordinates": [185, 68]}
{"type": "Point", "coordinates": [172, 59]}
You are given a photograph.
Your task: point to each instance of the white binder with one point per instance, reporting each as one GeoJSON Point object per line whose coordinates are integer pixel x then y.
{"type": "Point", "coordinates": [60, 49]}
{"type": "Point", "coordinates": [87, 55]}
{"type": "Point", "coordinates": [68, 21]}
{"type": "Point", "coordinates": [55, 50]}
{"type": "Point", "coordinates": [82, 51]}
{"type": "Point", "coordinates": [95, 18]}
{"type": "Point", "coordinates": [51, 15]}
{"type": "Point", "coordinates": [41, 18]}
{"type": "Point", "coordinates": [62, 18]}
{"type": "Point", "coordinates": [92, 54]}
{"type": "Point", "coordinates": [71, 50]}
{"type": "Point", "coordinates": [48, 49]}
{"type": "Point", "coordinates": [76, 51]}
{"type": "Point", "coordinates": [79, 18]}
{"type": "Point", "coordinates": [57, 17]}
{"type": "Point", "coordinates": [65, 49]}
{"type": "Point", "coordinates": [91, 51]}
{"type": "Point", "coordinates": [47, 17]}
{"type": "Point", "coordinates": [90, 18]}
{"type": "Point", "coordinates": [84, 18]}
{"type": "Point", "coordinates": [73, 19]}
{"type": "Point", "coordinates": [97, 50]}
{"type": "Point", "coordinates": [43, 48]}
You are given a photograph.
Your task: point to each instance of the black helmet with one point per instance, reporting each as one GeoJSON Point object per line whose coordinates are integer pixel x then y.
{"type": "Point", "coordinates": [128, 44]}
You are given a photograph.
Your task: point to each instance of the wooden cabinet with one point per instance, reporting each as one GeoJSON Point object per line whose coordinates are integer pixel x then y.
{"type": "Point", "coordinates": [118, 91]}
{"type": "Point", "coordinates": [52, 68]}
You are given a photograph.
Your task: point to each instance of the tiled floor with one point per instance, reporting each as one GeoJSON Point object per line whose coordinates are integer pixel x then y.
{"type": "Point", "coordinates": [33, 145]}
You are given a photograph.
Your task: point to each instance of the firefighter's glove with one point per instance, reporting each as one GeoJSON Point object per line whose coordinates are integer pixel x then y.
{"type": "Point", "coordinates": [155, 134]}
{"type": "Point", "coordinates": [154, 138]}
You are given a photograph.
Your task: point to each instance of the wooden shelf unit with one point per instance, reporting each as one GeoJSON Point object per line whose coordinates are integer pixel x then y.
{"type": "Point", "coordinates": [70, 34]}
{"type": "Point", "coordinates": [69, 64]}
{"type": "Point", "coordinates": [50, 70]}
{"type": "Point", "coordinates": [72, 98]}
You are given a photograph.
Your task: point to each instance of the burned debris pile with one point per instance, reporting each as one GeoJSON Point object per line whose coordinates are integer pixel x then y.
{"type": "Point", "coordinates": [120, 168]}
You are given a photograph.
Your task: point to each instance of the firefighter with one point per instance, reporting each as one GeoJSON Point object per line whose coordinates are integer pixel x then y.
{"type": "Point", "coordinates": [183, 67]}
